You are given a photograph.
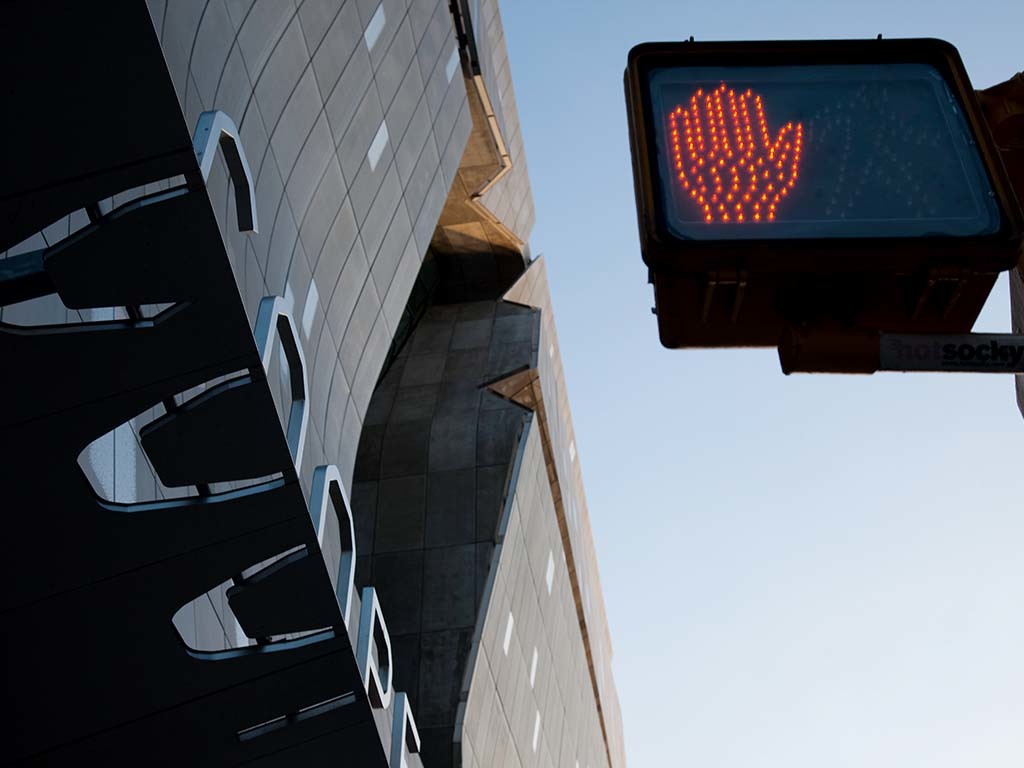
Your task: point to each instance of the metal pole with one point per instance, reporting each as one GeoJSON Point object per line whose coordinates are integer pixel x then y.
{"type": "Point", "coordinates": [1017, 324]}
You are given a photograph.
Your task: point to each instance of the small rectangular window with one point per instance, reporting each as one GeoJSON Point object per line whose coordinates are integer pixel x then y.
{"type": "Point", "coordinates": [375, 27]}
{"type": "Point", "coordinates": [452, 65]}
{"type": "Point", "coordinates": [508, 633]}
{"type": "Point", "coordinates": [380, 141]}
{"type": "Point", "coordinates": [309, 310]}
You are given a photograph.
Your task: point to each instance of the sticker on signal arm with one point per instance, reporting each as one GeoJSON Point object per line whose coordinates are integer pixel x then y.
{"type": "Point", "coordinates": [978, 352]}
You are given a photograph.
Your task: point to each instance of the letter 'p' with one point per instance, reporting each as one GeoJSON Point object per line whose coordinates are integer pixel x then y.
{"type": "Point", "coordinates": [373, 651]}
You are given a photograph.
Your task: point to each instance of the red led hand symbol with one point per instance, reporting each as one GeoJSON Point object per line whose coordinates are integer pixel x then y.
{"type": "Point", "coordinates": [725, 160]}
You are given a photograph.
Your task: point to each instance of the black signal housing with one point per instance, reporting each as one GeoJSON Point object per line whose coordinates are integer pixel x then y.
{"type": "Point", "coordinates": [895, 212]}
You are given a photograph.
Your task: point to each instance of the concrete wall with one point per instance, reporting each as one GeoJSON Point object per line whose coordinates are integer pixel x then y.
{"type": "Point", "coordinates": [430, 476]}
{"type": "Point", "coordinates": [459, 532]}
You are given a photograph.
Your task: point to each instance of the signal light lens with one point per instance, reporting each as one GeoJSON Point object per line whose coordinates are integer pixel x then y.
{"type": "Point", "coordinates": [824, 151]}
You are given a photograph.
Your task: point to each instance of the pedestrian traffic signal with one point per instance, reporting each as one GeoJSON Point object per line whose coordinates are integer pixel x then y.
{"type": "Point", "coordinates": [849, 183]}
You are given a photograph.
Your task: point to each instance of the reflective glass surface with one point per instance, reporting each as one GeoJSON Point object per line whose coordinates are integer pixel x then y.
{"type": "Point", "coordinates": [816, 151]}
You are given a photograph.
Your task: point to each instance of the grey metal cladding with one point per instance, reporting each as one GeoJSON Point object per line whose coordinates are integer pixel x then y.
{"type": "Point", "coordinates": [290, 128]}
{"type": "Point", "coordinates": [324, 216]}
{"type": "Point", "coordinates": [344, 98]}
{"type": "Point", "coordinates": [314, 159]}
{"type": "Point", "coordinates": [407, 99]}
{"type": "Point", "coordinates": [389, 255]}
{"type": "Point", "coordinates": [341, 41]}
{"type": "Point", "coordinates": [317, 16]}
{"type": "Point", "coordinates": [395, 64]}
{"type": "Point", "coordinates": [412, 143]}
{"type": "Point", "coordinates": [360, 132]}
{"type": "Point", "coordinates": [315, 84]}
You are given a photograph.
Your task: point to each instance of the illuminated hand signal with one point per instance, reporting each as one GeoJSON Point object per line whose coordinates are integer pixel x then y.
{"type": "Point", "coordinates": [725, 160]}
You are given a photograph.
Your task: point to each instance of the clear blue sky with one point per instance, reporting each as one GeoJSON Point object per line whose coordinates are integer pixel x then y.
{"type": "Point", "coordinates": [800, 572]}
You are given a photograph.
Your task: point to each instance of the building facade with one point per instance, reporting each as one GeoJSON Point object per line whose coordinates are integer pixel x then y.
{"type": "Point", "coordinates": [298, 479]}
